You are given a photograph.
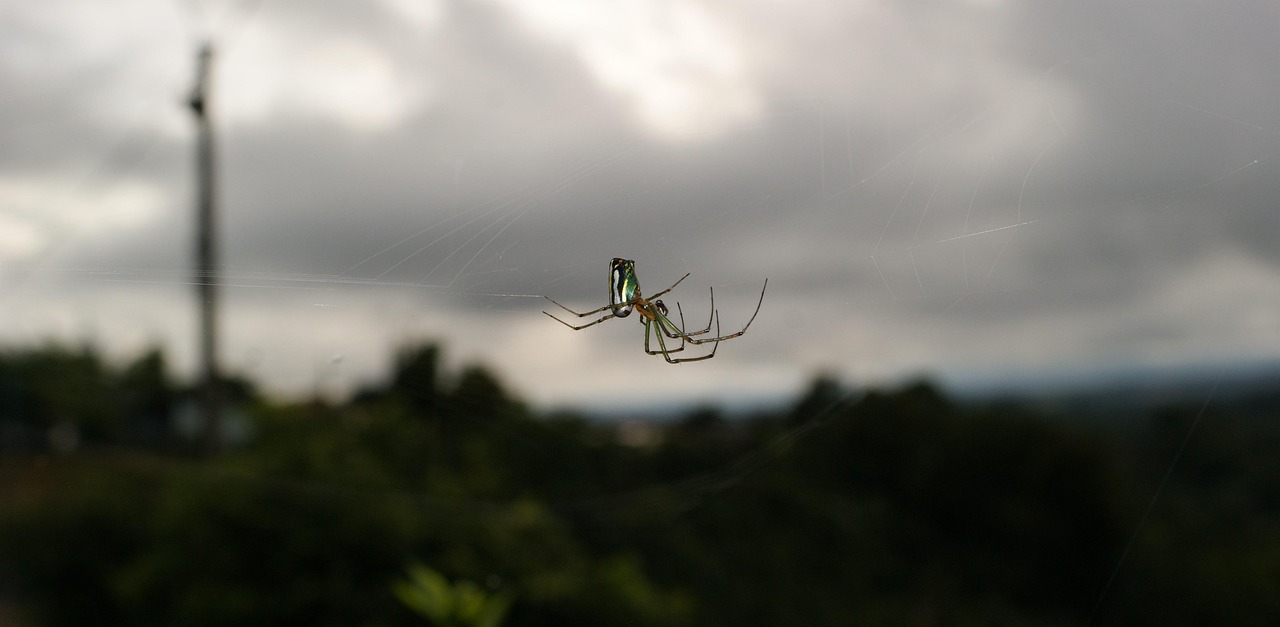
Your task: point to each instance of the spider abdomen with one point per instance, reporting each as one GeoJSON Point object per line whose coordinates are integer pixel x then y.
{"type": "Point", "coordinates": [623, 286]}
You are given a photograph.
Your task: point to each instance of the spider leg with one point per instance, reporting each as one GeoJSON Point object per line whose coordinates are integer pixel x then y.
{"type": "Point", "coordinates": [646, 321]}
{"type": "Point", "coordinates": [673, 286]}
{"type": "Point", "coordinates": [732, 335]}
{"type": "Point", "coordinates": [662, 346]}
{"type": "Point", "coordinates": [674, 332]}
{"type": "Point", "coordinates": [683, 334]}
{"type": "Point", "coordinates": [580, 315]}
{"type": "Point", "coordinates": [698, 358]}
{"type": "Point", "coordinates": [579, 328]}
{"type": "Point", "coordinates": [686, 334]}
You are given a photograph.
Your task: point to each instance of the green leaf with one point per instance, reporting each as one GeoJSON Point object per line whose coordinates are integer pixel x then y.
{"type": "Point", "coordinates": [428, 593]}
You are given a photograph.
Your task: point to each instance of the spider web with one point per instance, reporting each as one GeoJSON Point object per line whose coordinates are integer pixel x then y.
{"type": "Point", "coordinates": [969, 235]}
{"type": "Point", "coordinates": [951, 229]}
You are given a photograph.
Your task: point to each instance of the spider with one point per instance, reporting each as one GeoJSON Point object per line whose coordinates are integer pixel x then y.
{"type": "Point", "coordinates": [624, 295]}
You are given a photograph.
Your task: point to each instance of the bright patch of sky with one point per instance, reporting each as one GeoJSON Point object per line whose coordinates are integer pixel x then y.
{"type": "Point", "coordinates": [344, 81]}
{"type": "Point", "coordinates": [681, 66]}
{"type": "Point", "coordinates": [36, 211]}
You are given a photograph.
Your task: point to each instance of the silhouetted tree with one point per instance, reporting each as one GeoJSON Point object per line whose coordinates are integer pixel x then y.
{"type": "Point", "coordinates": [479, 396]}
{"type": "Point", "coordinates": [824, 397]}
{"type": "Point", "coordinates": [416, 380]}
{"type": "Point", "coordinates": [147, 397]}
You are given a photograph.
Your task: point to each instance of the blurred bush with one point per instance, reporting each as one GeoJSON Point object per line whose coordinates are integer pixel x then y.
{"type": "Point", "coordinates": [847, 508]}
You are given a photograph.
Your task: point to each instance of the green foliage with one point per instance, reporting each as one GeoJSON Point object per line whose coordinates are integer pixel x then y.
{"type": "Point", "coordinates": [416, 380]}
{"type": "Point", "coordinates": [884, 508]}
{"type": "Point", "coordinates": [52, 385]}
{"type": "Point", "coordinates": [463, 604]}
{"type": "Point", "coordinates": [67, 549]}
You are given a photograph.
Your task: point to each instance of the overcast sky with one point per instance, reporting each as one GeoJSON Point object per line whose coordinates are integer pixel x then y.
{"type": "Point", "coordinates": [972, 189]}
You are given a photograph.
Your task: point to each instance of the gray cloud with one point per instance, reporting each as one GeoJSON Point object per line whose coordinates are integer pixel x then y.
{"type": "Point", "coordinates": [926, 187]}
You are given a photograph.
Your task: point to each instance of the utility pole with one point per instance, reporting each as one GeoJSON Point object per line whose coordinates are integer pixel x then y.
{"type": "Point", "coordinates": [206, 276]}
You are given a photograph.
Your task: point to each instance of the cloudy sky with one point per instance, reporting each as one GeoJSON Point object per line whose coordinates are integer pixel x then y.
{"type": "Point", "coordinates": [976, 189]}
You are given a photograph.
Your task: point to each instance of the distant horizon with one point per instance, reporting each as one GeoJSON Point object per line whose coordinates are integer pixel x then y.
{"type": "Point", "coordinates": [1170, 379]}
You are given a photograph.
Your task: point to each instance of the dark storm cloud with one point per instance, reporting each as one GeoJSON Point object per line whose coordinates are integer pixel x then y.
{"type": "Point", "coordinates": [922, 187]}
{"type": "Point", "coordinates": [1178, 95]}
{"type": "Point", "coordinates": [1157, 173]}
{"type": "Point", "coordinates": [300, 191]}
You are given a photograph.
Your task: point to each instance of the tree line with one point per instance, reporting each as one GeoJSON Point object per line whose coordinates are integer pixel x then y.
{"type": "Point", "coordinates": [440, 489]}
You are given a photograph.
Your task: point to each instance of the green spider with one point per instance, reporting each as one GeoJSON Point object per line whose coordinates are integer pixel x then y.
{"type": "Point", "coordinates": [624, 295]}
